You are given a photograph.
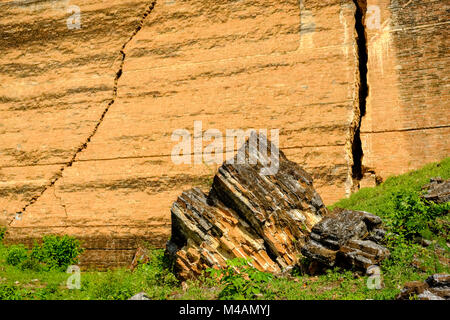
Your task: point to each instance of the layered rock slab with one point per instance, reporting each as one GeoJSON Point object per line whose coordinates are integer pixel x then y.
{"type": "Point", "coordinates": [246, 214]}
{"type": "Point", "coordinates": [347, 238]}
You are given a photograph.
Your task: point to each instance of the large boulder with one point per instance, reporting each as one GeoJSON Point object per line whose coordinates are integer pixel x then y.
{"type": "Point", "coordinates": [347, 238]}
{"type": "Point", "coordinates": [249, 212]}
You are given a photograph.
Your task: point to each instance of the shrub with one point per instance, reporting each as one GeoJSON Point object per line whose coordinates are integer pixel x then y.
{"type": "Point", "coordinates": [47, 292]}
{"type": "Point", "coordinates": [31, 264]}
{"type": "Point", "coordinates": [2, 233]}
{"type": "Point", "coordinates": [411, 215]}
{"type": "Point", "coordinates": [16, 255]}
{"type": "Point", "coordinates": [240, 280]}
{"type": "Point", "coordinates": [114, 286]}
{"type": "Point", "coordinates": [158, 270]}
{"type": "Point", "coordinates": [57, 252]}
{"type": "Point", "coordinates": [9, 292]}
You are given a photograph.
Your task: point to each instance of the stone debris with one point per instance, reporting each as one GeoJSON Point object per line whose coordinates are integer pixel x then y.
{"type": "Point", "coordinates": [140, 296]}
{"type": "Point", "coordinates": [348, 239]}
{"type": "Point", "coordinates": [438, 190]}
{"type": "Point", "coordinates": [140, 257]}
{"type": "Point", "coordinates": [246, 214]}
{"type": "Point", "coordinates": [435, 287]}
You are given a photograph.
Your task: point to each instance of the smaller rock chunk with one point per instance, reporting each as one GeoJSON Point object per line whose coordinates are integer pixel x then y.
{"type": "Point", "coordinates": [436, 287]}
{"type": "Point", "coordinates": [438, 280]}
{"type": "Point", "coordinates": [348, 239]}
{"type": "Point", "coordinates": [438, 190]}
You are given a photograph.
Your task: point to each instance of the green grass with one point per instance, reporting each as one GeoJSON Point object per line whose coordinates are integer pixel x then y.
{"type": "Point", "coordinates": [375, 200]}
{"type": "Point", "coordinates": [396, 201]}
{"type": "Point", "coordinates": [407, 217]}
{"type": "Point", "coordinates": [153, 278]}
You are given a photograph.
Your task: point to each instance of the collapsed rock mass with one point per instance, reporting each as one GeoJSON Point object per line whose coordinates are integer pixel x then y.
{"type": "Point", "coordinates": [246, 214]}
{"type": "Point", "coordinates": [267, 219]}
{"type": "Point", "coordinates": [347, 238]}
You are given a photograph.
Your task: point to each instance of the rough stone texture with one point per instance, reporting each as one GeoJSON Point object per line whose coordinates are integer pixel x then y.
{"type": "Point", "coordinates": [86, 115]}
{"type": "Point", "coordinates": [246, 214]}
{"type": "Point", "coordinates": [347, 238]}
{"type": "Point", "coordinates": [438, 190]}
{"type": "Point", "coordinates": [140, 257]}
{"type": "Point", "coordinates": [435, 287]}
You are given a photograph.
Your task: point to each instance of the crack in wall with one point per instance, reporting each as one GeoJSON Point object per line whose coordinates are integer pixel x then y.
{"type": "Point", "coordinates": [63, 205]}
{"type": "Point", "coordinates": [363, 92]}
{"type": "Point", "coordinates": [83, 147]}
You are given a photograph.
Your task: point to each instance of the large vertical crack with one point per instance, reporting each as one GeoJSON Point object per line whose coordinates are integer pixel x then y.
{"type": "Point", "coordinates": [363, 89]}
{"type": "Point", "coordinates": [84, 145]}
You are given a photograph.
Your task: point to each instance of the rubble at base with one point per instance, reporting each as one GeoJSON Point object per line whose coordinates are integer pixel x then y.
{"type": "Point", "coordinates": [438, 190]}
{"type": "Point", "coordinates": [346, 238]}
{"type": "Point", "coordinates": [435, 287]}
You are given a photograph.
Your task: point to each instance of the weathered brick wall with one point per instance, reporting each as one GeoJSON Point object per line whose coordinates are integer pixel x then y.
{"type": "Point", "coordinates": [407, 123]}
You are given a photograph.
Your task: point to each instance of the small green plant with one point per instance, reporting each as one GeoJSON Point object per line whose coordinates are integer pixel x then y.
{"type": "Point", "coordinates": [2, 233]}
{"type": "Point", "coordinates": [57, 252]}
{"type": "Point", "coordinates": [159, 269]}
{"type": "Point", "coordinates": [113, 286]}
{"type": "Point", "coordinates": [10, 292]}
{"type": "Point", "coordinates": [411, 215]}
{"type": "Point", "coordinates": [31, 264]}
{"type": "Point", "coordinates": [16, 255]}
{"type": "Point", "coordinates": [241, 280]}
{"type": "Point", "coordinates": [47, 292]}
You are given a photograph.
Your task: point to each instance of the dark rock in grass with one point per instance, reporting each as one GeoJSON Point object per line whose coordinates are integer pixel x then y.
{"type": "Point", "coordinates": [436, 287]}
{"type": "Point", "coordinates": [411, 289]}
{"type": "Point", "coordinates": [438, 280]}
{"type": "Point", "coordinates": [438, 190]}
{"type": "Point", "coordinates": [347, 238]}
